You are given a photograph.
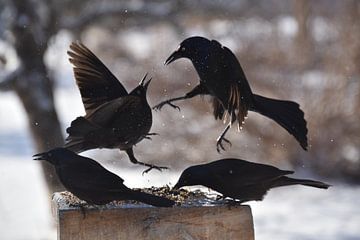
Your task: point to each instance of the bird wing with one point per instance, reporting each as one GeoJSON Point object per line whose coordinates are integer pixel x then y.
{"type": "Point", "coordinates": [118, 108]}
{"type": "Point", "coordinates": [234, 93]}
{"type": "Point", "coordinates": [245, 173]}
{"type": "Point", "coordinates": [237, 73]}
{"type": "Point", "coordinates": [96, 83]}
{"type": "Point", "coordinates": [89, 174]}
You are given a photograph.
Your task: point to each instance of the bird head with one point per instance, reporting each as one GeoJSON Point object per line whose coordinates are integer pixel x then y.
{"type": "Point", "coordinates": [192, 48]}
{"type": "Point", "coordinates": [53, 156]}
{"type": "Point", "coordinates": [142, 88]}
{"type": "Point", "coordinates": [189, 177]}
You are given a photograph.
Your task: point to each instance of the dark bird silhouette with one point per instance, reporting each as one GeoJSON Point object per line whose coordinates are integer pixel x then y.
{"type": "Point", "coordinates": [239, 179]}
{"type": "Point", "coordinates": [222, 77]}
{"type": "Point", "coordinates": [114, 118]}
{"type": "Point", "coordinates": [91, 182]}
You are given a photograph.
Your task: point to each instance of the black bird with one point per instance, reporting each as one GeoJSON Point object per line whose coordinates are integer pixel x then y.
{"type": "Point", "coordinates": [114, 118]}
{"type": "Point", "coordinates": [91, 182]}
{"type": "Point", "coordinates": [239, 179]}
{"type": "Point", "coordinates": [222, 77]}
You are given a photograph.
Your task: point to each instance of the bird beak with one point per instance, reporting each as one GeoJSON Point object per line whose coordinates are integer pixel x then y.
{"type": "Point", "coordinates": [175, 55]}
{"type": "Point", "coordinates": [40, 156]}
{"type": "Point", "coordinates": [145, 85]}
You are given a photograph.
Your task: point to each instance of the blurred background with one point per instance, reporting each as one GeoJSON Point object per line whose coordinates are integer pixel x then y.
{"type": "Point", "coordinates": [299, 50]}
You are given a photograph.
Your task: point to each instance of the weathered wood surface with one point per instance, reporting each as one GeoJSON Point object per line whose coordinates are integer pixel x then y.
{"type": "Point", "coordinates": [140, 221]}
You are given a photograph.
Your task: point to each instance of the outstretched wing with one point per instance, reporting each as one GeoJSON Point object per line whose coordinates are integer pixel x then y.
{"type": "Point", "coordinates": [96, 83]}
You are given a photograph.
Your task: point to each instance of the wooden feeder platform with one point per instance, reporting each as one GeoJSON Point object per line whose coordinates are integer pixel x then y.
{"type": "Point", "coordinates": [140, 221]}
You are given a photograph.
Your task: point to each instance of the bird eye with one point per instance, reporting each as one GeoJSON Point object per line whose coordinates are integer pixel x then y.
{"type": "Point", "coordinates": [182, 49]}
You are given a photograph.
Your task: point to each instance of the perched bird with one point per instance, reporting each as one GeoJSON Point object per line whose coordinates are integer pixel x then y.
{"type": "Point", "coordinates": [114, 118]}
{"type": "Point", "coordinates": [91, 182]}
{"type": "Point", "coordinates": [222, 77]}
{"type": "Point", "coordinates": [239, 179]}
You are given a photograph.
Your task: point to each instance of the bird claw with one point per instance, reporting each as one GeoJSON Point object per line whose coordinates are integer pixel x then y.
{"type": "Point", "coordinates": [153, 167]}
{"type": "Point", "coordinates": [160, 105]}
{"type": "Point", "coordinates": [219, 144]}
{"type": "Point", "coordinates": [174, 106]}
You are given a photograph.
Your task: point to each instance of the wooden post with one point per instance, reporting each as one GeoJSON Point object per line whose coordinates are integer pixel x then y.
{"type": "Point", "coordinates": [140, 221]}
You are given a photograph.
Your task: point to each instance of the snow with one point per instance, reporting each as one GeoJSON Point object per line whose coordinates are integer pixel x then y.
{"type": "Point", "coordinates": [137, 43]}
{"type": "Point", "coordinates": [306, 213]}
{"type": "Point", "coordinates": [287, 26]}
{"type": "Point", "coordinates": [323, 30]}
{"type": "Point", "coordinates": [24, 209]}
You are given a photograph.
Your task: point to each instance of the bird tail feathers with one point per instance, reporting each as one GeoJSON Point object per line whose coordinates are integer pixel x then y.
{"type": "Point", "coordinates": [80, 127]}
{"type": "Point", "coordinates": [285, 181]}
{"type": "Point", "coordinates": [78, 130]}
{"type": "Point", "coordinates": [152, 199]}
{"type": "Point", "coordinates": [286, 113]}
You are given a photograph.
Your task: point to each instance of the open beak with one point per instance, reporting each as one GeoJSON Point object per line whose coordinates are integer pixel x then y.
{"type": "Point", "coordinates": [175, 55]}
{"type": "Point", "coordinates": [40, 156]}
{"type": "Point", "coordinates": [145, 84]}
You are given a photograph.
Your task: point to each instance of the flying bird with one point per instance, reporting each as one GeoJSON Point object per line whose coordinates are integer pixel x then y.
{"type": "Point", "coordinates": [114, 118]}
{"type": "Point", "coordinates": [222, 77]}
{"type": "Point", "coordinates": [240, 180]}
{"type": "Point", "coordinates": [91, 182]}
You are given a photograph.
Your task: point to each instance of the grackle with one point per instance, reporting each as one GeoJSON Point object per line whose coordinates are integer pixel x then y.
{"type": "Point", "coordinates": [222, 77]}
{"type": "Point", "coordinates": [114, 118]}
{"type": "Point", "coordinates": [91, 182]}
{"type": "Point", "coordinates": [239, 179]}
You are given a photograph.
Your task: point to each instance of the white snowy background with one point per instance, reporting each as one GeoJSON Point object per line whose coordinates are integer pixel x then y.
{"type": "Point", "coordinates": [296, 212]}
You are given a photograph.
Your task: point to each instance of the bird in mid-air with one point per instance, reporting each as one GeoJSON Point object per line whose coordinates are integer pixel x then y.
{"type": "Point", "coordinates": [222, 77]}
{"type": "Point", "coordinates": [114, 118]}
{"type": "Point", "coordinates": [239, 179]}
{"type": "Point", "coordinates": [93, 183]}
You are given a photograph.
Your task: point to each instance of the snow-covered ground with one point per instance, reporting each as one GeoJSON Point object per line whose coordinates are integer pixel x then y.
{"type": "Point", "coordinates": [286, 213]}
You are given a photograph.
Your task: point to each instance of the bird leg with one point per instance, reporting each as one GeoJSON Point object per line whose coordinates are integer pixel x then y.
{"type": "Point", "coordinates": [198, 90]}
{"type": "Point", "coordinates": [147, 136]}
{"type": "Point", "coordinates": [130, 153]}
{"type": "Point", "coordinates": [221, 138]}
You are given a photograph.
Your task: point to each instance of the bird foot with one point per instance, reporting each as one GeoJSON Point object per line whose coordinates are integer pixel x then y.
{"type": "Point", "coordinates": [219, 144]}
{"type": "Point", "coordinates": [233, 203]}
{"type": "Point", "coordinates": [147, 136]}
{"type": "Point", "coordinates": [150, 167]}
{"type": "Point", "coordinates": [160, 105]}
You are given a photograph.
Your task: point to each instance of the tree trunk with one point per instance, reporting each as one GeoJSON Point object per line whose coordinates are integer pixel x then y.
{"type": "Point", "coordinates": [34, 87]}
